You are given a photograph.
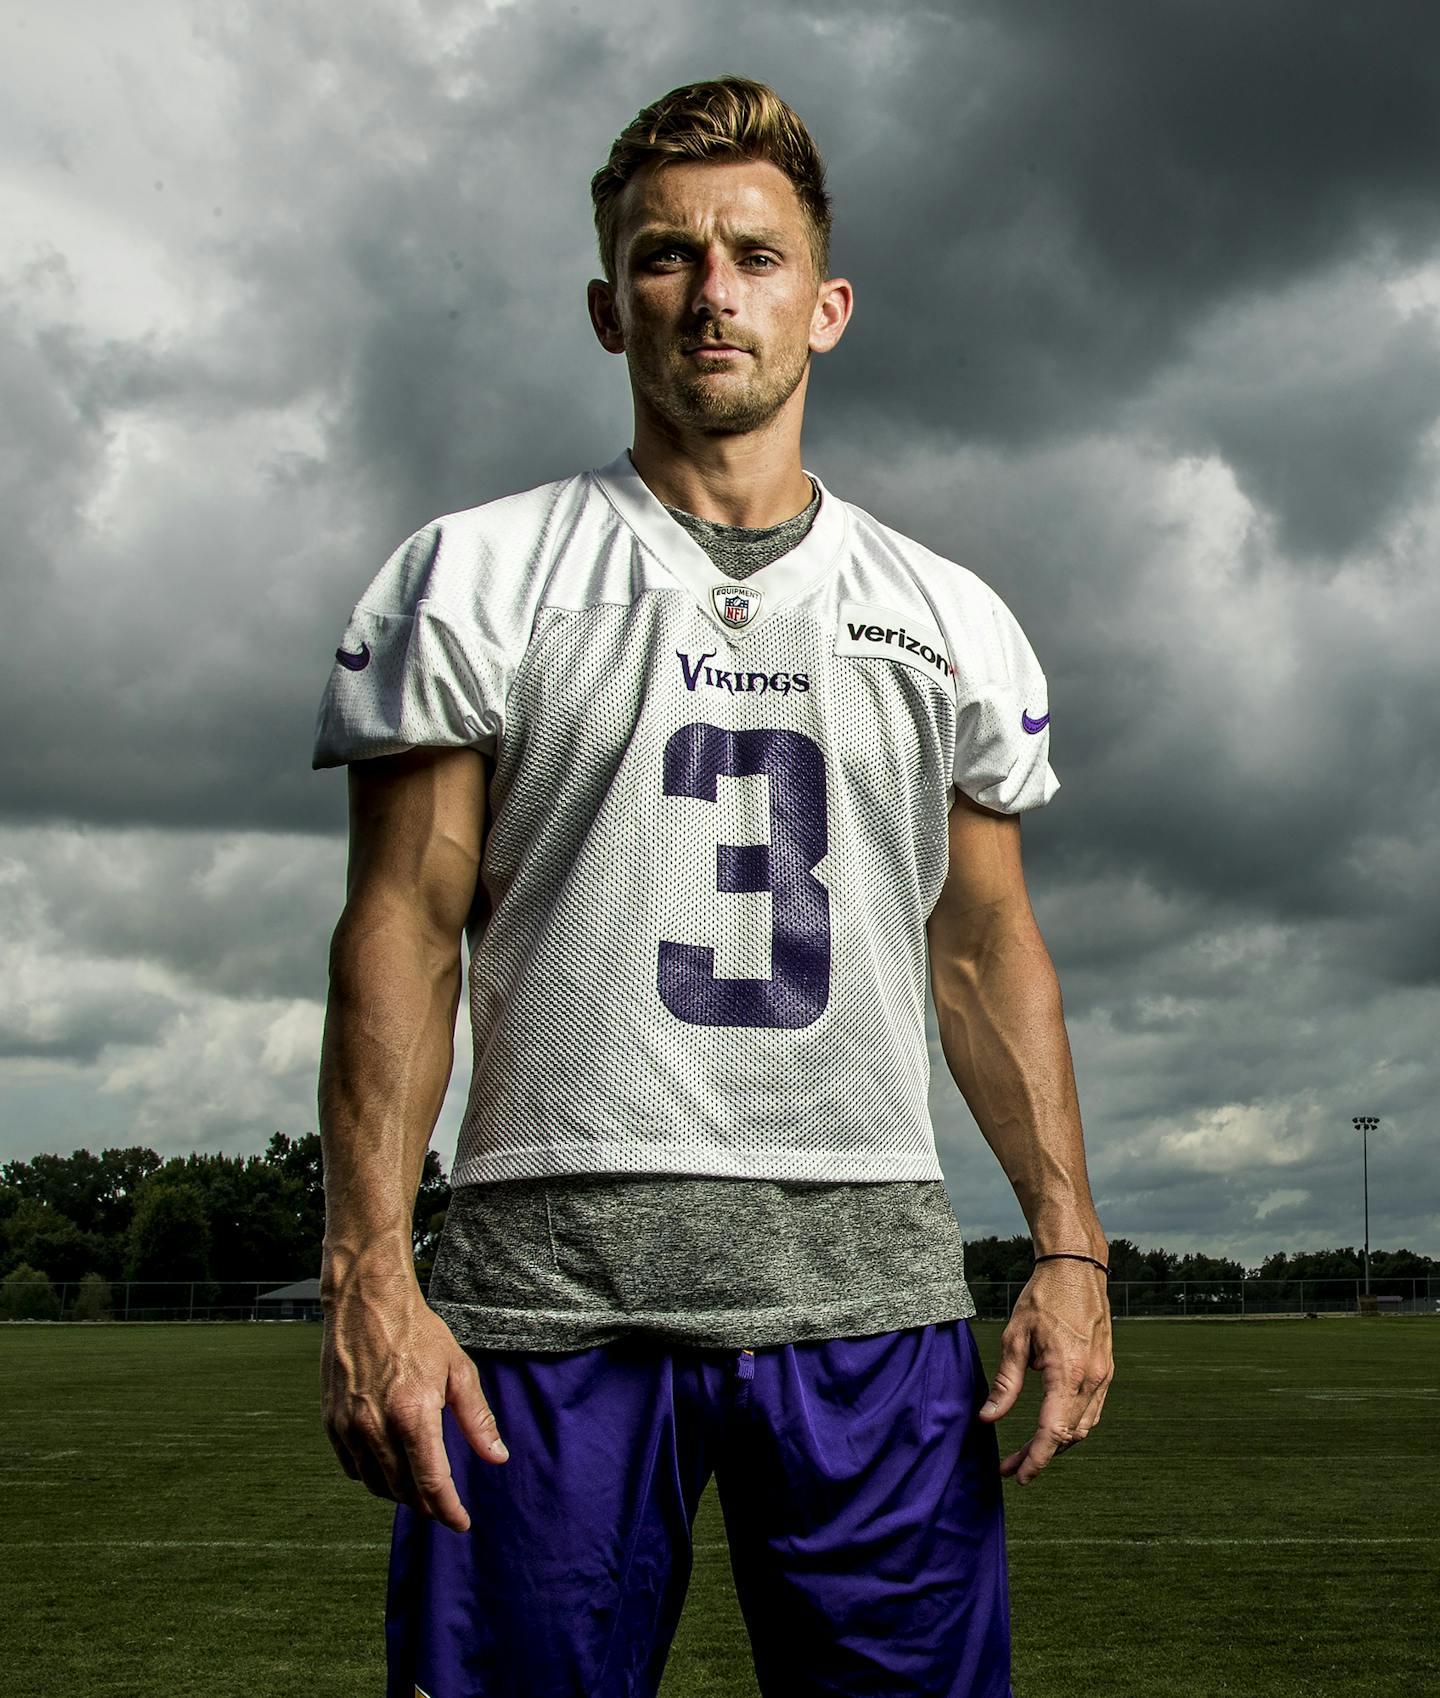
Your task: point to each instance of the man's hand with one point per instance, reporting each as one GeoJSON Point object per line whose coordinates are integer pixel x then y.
{"type": "Point", "coordinates": [388, 1367]}
{"type": "Point", "coordinates": [1061, 1325]}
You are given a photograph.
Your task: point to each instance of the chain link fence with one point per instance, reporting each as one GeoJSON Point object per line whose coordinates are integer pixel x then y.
{"type": "Point", "coordinates": [1205, 1299]}
{"type": "Point", "coordinates": [94, 1299]}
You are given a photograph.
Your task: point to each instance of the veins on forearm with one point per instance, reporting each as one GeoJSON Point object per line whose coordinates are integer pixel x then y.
{"type": "Point", "coordinates": [1002, 1028]}
{"type": "Point", "coordinates": [385, 1064]}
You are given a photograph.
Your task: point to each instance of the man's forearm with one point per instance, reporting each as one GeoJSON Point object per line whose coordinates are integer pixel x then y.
{"type": "Point", "coordinates": [1003, 1032]}
{"type": "Point", "coordinates": [385, 1064]}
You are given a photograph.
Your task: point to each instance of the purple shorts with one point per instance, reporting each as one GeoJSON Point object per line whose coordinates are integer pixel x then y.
{"type": "Point", "coordinates": [862, 1507]}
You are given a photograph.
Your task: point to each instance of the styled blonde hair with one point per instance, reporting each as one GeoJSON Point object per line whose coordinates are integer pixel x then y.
{"type": "Point", "coordinates": [730, 118]}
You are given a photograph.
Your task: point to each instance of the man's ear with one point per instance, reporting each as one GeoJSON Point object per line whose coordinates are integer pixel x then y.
{"type": "Point", "coordinates": [604, 319]}
{"type": "Point", "coordinates": [832, 313]}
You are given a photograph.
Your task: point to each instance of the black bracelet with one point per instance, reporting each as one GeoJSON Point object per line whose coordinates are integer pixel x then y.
{"type": "Point", "coordinates": [1071, 1256]}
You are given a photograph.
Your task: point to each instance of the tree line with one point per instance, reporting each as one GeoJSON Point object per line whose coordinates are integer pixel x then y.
{"type": "Point", "coordinates": [127, 1214]}
{"type": "Point", "coordinates": [1012, 1259]}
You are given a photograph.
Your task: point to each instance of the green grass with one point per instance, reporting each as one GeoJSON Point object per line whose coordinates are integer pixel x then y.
{"type": "Point", "coordinates": [1257, 1515]}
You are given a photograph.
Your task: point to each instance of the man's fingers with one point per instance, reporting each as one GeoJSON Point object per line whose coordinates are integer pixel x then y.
{"type": "Point", "coordinates": [435, 1489]}
{"type": "Point", "coordinates": [1062, 1330]}
{"type": "Point", "coordinates": [1091, 1418]}
{"type": "Point", "coordinates": [1034, 1455]}
{"type": "Point", "coordinates": [473, 1414]}
{"type": "Point", "coordinates": [413, 1469]}
{"type": "Point", "coordinates": [1058, 1426]}
{"type": "Point", "coordinates": [387, 1373]}
{"type": "Point", "coordinates": [377, 1446]}
{"type": "Point", "coordinates": [373, 1474]}
{"type": "Point", "coordinates": [1036, 1452]}
{"type": "Point", "coordinates": [1009, 1377]}
{"type": "Point", "coordinates": [342, 1452]}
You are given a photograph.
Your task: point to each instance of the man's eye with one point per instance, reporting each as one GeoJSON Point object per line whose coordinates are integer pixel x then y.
{"type": "Point", "coordinates": [764, 261]}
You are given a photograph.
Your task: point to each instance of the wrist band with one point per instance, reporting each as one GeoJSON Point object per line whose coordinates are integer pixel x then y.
{"type": "Point", "coordinates": [1072, 1256]}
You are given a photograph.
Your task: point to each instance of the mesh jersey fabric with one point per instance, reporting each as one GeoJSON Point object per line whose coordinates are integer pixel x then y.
{"type": "Point", "coordinates": [569, 1264]}
{"type": "Point", "coordinates": [847, 1237]}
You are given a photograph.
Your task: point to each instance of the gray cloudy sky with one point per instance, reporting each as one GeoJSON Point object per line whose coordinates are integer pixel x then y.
{"type": "Point", "coordinates": [1147, 334]}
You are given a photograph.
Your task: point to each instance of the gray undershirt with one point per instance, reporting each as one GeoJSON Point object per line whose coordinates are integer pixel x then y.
{"type": "Point", "coordinates": [568, 1263]}
{"type": "Point", "coordinates": [739, 550]}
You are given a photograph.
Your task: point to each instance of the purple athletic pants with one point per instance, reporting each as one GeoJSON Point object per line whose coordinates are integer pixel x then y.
{"type": "Point", "coordinates": [862, 1507]}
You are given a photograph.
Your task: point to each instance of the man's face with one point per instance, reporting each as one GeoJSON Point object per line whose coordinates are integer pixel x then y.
{"type": "Point", "coordinates": [715, 303]}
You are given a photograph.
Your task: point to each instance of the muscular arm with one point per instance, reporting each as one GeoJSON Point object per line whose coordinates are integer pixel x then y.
{"type": "Point", "coordinates": [389, 1363]}
{"type": "Point", "coordinates": [1003, 1032]}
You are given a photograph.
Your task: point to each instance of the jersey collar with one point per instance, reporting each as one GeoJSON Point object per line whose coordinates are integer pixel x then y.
{"type": "Point", "coordinates": [780, 583]}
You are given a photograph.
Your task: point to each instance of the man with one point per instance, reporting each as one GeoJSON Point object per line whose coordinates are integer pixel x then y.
{"type": "Point", "coordinates": [695, 754]}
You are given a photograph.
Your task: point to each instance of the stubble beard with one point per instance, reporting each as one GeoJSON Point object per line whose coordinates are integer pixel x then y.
{"type": "Point", "coordinates": [718, 405]}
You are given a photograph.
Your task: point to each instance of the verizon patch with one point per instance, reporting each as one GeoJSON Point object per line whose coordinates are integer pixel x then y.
{"type": "Point", "coordinates": [880, 633]}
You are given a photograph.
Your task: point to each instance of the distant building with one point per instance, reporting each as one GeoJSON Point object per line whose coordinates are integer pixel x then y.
{"type": "Point", "coordinates": [298, 1302]}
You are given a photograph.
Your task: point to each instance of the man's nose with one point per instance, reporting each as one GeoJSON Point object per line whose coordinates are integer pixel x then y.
{"type": "Point", "coordinates": [714, 287]}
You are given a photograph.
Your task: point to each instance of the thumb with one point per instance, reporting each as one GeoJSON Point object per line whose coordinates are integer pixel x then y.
{"type": "Point", "coordinates": [473, 1414]}
{"type": "Point", "coordinates": [1005, 1387]}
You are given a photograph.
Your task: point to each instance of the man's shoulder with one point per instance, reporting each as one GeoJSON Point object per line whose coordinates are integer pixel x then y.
{"type": "Point", "coordinates": [512, 542]}
{"type": "Point", "coordinates": [520, 511]}
{"type": "Point", "coordinates": [476, 554]}
{"type": "Point", "coordinates": [939, 574]}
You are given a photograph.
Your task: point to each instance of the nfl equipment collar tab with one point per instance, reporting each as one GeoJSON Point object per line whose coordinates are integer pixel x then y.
{"type": "Point", "coordinates": [775, 586]}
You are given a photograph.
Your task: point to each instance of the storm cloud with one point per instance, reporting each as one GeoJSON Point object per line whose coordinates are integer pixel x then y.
{"type": "Point", "coordinates": [1147, 334]}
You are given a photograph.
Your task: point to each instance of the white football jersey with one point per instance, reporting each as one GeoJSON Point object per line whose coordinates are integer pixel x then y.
{"type": "Point", "coordinates": [718, 826]}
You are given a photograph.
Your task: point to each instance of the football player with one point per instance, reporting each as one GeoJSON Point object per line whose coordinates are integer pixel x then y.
{"type": "Point", "coordinates": [709, 767]}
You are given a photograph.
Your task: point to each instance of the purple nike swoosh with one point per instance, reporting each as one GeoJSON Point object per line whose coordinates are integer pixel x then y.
{"type": "Point", "coordinates": [356, 662]}
{"type": "Point", "coordinates": [1034, 725]}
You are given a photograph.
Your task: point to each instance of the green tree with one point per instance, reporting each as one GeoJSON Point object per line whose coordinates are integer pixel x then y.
{"type": "Point", "coordinates": [301, 1162]}
{"type": "Point", "coordinates": [97, 1193]}
{"type": "Point", "coordinates": [266, 1213]}
{"type": "Point", "coordinates": [1402, 1264]}
{"type": "Point", "coordinates": [169, 1237]}
{"type": "Point", "coordinates": [1211, 1269]}
{"type": "Point", "coordinates": [263, 1215]}
{"type": "Point", "coordinates": [93, 1301]}
{"type": "Point", "coordinates": [1347, 1263]}
{"type": "Point", "coordinates": [26, 1294]}
{"type": "Point", "coordinates": [431, 1202]}
{"type": "Point", "coordinates": [253, 1213]}
{"type": "Point", "coordinates": [1124, 1259]}
{"type": "Point", "coordinates": [1000, 1259]}
{"type": "Point", "coordinates": [42, 1237]}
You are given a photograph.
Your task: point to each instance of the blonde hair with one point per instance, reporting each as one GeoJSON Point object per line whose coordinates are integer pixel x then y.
{"type": "Point", "coordinates": [730, 118]}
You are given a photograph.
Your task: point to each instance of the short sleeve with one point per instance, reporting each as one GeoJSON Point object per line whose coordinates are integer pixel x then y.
{"type": "Point", "coordinates": [1002, 734]}
{"type": "Point", "coordinates": [410, 671]}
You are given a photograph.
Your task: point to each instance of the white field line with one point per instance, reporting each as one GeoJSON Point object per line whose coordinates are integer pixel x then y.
{"type": "Point", "coordinates": [380, 1544]}
{"type": "Point", "coordinates": [1097, 1454]}
{"type": "Point", "coordinates": [1351, 1396]}
{"type": "Point", "coordinates": [1258, 1539]}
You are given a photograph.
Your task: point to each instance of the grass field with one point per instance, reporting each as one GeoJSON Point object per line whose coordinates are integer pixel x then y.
{"type": "Point", "coordinates": [1257, 1515]}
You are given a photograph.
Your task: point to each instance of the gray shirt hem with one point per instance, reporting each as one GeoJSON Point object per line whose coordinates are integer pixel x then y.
{"type": "Point", "coordinates": [535, 1331]}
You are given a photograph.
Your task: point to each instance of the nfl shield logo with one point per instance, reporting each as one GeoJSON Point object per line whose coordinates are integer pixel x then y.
{"type": "Point", "coordinates": [735, 605]}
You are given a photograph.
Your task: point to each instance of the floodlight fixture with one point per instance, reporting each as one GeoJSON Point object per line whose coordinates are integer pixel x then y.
{"type": "Point", "coordinates": [1365, 1124]}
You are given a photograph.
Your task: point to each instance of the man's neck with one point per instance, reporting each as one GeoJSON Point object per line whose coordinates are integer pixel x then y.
{"type": "Point", "coordinates": [751, 480]}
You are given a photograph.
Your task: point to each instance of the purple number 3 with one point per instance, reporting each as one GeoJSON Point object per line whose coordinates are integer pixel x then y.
{"type": "Point", "coordinates": [799, 984]}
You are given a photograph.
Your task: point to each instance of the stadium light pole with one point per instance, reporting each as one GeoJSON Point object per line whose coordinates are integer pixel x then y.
{"type": "Point", "coordinates": [1365, 1124]}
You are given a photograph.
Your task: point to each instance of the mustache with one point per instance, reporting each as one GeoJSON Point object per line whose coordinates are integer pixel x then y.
{"type": "Point", "coordinates": [709, 335]}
